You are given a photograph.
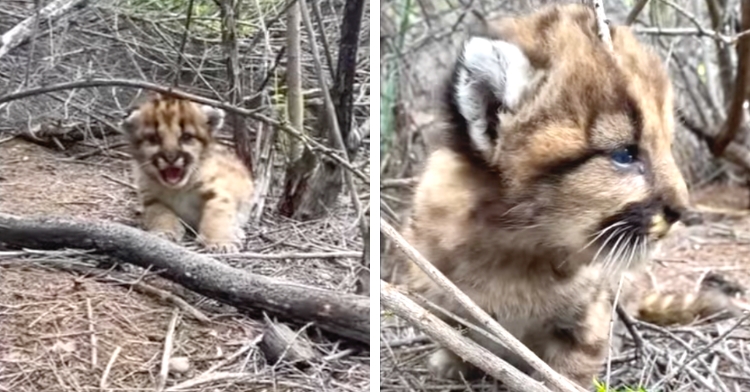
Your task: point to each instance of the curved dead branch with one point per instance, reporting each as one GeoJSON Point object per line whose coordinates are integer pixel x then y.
{"type": "Point", "coordinates": [346, 315]}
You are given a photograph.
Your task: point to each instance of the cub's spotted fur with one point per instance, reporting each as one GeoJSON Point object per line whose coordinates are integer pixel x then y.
{"type": "Point", "coordinates": [553, 180]}
{"type": "Point", "coordinates": [184, 177]}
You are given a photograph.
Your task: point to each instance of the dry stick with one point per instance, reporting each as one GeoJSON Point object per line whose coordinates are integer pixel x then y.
{"type": "Point", "coordinates": [633, 15]}
{"type": "Point", "coordinates": [697, 353]}
{"type": "Point", "coordinates": [344, 314]}
{"type": "Point", "coordinates": [23, 30]}
{"type": "Point", "coordinates": [173, 299]}
{"type": "Point", "coordinates": [90, 312]}
{"type": "Point", "coordinates": [103, 382]}
{"type": "Point", "coordinates": [335, 132]}
{"type": "Point", "coordinates": [452, 339]}
{"type": "Point", "coordinates": [180, 56]}
{"type": "Point", "coordinates": [310, 142]}
{"type": "Point", "coordinates": [547, 373]}
{"type": "Point", "coordinates": [168, 343]}
{"type": "Point", "coordinates": [281, 256]}
{"type": "Point", "coordinates": [602, 24]}
{"type": "Point", "coordinates": [210, 378]}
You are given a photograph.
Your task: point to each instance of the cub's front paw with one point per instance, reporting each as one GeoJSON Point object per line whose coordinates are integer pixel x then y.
{"type": "Point", "coordinates": [168, 234]}
{"type": "Point", "coordinates": [445, 364]}
{"type": "Point", "coordinates": [216, 246]}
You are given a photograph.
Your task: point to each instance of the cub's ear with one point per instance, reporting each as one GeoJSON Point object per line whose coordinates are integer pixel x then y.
{"type": "Point", "coordinates": [491, 75]}
{"type": "Point", "coordinates": [131, 122]}
{"type": "Point", "coordinates": [215, 117]}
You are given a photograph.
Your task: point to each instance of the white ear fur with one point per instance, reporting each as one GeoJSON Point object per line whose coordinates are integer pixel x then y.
{"type": "Point", "coordinates": [491, 71]}
{"type": "Point", "coordinates": [215, 117]}
{"type": "Point", "coordinates": [130, 123]}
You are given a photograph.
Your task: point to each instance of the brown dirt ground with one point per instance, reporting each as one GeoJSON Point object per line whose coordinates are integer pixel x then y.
{"type": "Point", "coordinates": [45, 336]}
{"type": "Point", "coordinates": [721, 243]}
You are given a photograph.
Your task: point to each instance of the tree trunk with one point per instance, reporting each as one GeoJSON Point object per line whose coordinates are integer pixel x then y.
{"type": "Point", "coordinates": [299, 159]}
{"type": "Point", "coordinates": [242, 140]}
{"type": "Point", "coordinates": [326, 182]}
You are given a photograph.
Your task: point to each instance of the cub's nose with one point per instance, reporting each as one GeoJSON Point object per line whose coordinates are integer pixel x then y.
{"type": "Point", "coordinates": [663, 220]}
{"type": "Point", "coordinates": [171, 156]}
{"type": "Point", "coordinates": [673, 214]}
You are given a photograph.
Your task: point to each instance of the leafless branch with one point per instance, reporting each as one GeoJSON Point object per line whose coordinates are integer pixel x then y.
{"type": "Point", "coordinates": [545, 372]}
{"type": "Point", "coordinates": [466, 348]}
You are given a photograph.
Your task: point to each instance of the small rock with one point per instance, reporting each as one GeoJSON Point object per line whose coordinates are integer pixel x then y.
{"type": "Point", "coordinates": [66, 347]}
{"type": "Point", "coordinates": [179, 364]}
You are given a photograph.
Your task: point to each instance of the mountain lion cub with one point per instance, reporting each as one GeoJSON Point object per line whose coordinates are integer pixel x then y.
{"type": "Point", "coordinates": [184, 177]}
{"type": "Point", "coordinates": [554, 179]}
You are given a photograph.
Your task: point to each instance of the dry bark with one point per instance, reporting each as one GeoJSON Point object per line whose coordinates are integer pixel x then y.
{"type": "Point", "coordinates": [346, 315]}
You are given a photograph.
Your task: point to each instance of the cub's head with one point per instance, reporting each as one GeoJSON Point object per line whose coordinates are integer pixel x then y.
{"type": "Point", "coordinates": [169, 135]}
{"type": "Point", "coordinates": [578, 137]}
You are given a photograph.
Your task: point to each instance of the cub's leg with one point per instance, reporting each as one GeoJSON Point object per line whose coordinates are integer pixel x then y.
{"type": "Point", "coordinates": [218, 227]}
{"type": "Point", "coordinates": [576, 343]}
{"type": "Point", "coordinates": [162, 221]}
{"type": "Point", "coordinates": [446, 364]}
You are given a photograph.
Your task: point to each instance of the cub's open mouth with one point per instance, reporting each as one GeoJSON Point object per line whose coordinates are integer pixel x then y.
{"type": "Point", "coordinates": [172, 175]}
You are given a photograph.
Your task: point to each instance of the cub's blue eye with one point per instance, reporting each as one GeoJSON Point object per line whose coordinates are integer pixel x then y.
{"type": "Point", "coordinates": [624, 156]}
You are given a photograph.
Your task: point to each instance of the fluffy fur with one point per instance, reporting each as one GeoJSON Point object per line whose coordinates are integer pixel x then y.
{"type": "Point", "coordinates": [554, 179]}
{"type": "Point", "coordinates": [184, 178]}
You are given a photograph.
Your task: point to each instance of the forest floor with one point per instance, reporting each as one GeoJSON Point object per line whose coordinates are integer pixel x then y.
{"type": "Point", "coordinates": [69, 331]}
{"type": "Point", "coordinates": [706, 356]}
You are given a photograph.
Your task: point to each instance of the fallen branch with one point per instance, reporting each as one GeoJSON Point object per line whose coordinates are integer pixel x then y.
{"type": "Point", "coordinates": [545, 372]}
{"type": "Point", "coordinates": [452, 339]}
{"type": "Point", "coordinates": [21, 32]}
{"type": "Point", "coordinates": [346, 315]}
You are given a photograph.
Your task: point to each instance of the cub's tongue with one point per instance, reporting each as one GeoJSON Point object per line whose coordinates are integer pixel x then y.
{"type": "Point", "coordinates": [172, 175]}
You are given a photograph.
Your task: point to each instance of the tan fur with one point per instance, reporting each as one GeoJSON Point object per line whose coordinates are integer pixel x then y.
{"type": "Point", "coordinates": [214, 194]}
{"type": "Point", "coordinates": [512, 232]}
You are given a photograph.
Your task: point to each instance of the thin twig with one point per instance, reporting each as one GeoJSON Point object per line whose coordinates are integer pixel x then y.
{"type": "Point", "coordinates": [545, 371]}
{"type": "Point", "coordinates": [452, 339]}
{"type": "Point", "coordinates": [602, 24]}
{"type": "Point", "coordinates": [633, 15]}
{"type": "Point", "coordinates": [168, 343]}
{"type": "Point", "coordinates": [112, 359]}
{"type": "Point", "coordinates": [180, 56]}
{"type": "Point", "coordinates": [90, 313]}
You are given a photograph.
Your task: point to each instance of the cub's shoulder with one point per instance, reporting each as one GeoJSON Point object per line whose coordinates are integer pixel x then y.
{"type": "Point", "coordinates": [221, 167]}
